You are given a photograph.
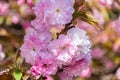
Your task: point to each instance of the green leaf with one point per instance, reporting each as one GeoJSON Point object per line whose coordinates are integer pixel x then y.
{"type": "Point", "coordinates": [17, 74]}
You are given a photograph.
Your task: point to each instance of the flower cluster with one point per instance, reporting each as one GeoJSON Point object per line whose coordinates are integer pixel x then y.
{"type": "Point", "coordinates": [67, 54]}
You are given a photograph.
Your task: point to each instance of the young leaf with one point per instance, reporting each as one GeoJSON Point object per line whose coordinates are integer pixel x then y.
{"type": "Point", "coordinates": [17, 74]}
{"type": "Point", "coordinates": [87, 18]}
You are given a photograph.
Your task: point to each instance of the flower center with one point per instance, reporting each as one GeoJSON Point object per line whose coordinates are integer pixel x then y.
{"type": "Point", "coordinates": [44, 65]}
{"type": "Point", "coordinates": [57, 10]}
{"type": "Point", "coordinates": [63, 48]}
{"type": "Point", "coordinates": [33, 49]}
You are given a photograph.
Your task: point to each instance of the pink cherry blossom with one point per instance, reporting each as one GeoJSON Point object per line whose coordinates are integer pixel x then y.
{"type": "Point", "coordinates": [34, 71]}
{"type": "Point", "coordinates": [65, 49]}
{"type": "Point", "coordinates": [32, 45]}
{"type": "Point", "coordinates": [97, 53]}
{"type": "Point", "coordinates": [81, 40]}
{"type": "Point", "coordinates": [15, 19]}
{"type": "Point", "coordinates": [60, 14]}
{"type": "Point", "coordinates": [50, 12]}
{"type": "Point", "coordinates": [4, 8]}
{"type": "Point", "coordinates": [45, 67]}
{"type": "Point", "coordinates": [29, 50]}
{"type": "Point", "coordinates": [109, 64]}
{"type": "Point", "coordinates": [86, 73]}
{"type": "Point", "coordinates": [75, 69]}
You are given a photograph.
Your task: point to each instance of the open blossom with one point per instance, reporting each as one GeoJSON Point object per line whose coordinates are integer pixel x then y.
{"type": "Point", "coordinates": [44, 65]}
{"type": "Point", "coordinates": [79, 38]}
{"type": "Point", "coordinates": [32, 45]}
{"type": "Point", "coordinates": [75, 69]}
{"type": "Point", "coordinates": [61, 13]}
{"type": "Point", "coordinates": [29, 50]}
{"type": "Point", "coordinates": [73, 45]}
{"type": "Point", "coordinates": [63, 49]}
{"type": "Point", "coordinates": [53, 12]}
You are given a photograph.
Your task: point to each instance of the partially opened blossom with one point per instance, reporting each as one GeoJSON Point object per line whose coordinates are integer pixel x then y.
{"type": "Point", "coordinates": [34, 71]}
{"type": "Point", "coordinates": [4, 8]}
{"type": "Point", "coordinates": [97, 53]}
{"type": "Point", "coordinates": [15, 19]}
{"type": "Point", "coordinates": [86, 73]}
{"type": "Point", "coordinates": [109, 64]}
